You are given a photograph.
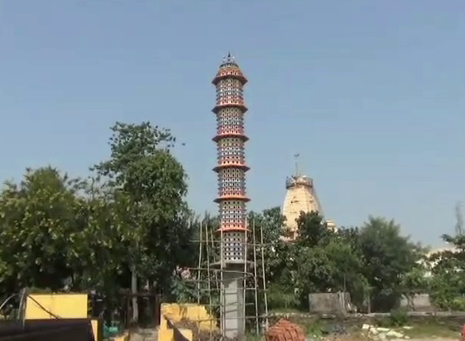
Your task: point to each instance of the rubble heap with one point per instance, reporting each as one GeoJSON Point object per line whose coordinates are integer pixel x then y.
{"type": "Point", "coordinates": [381, 334]}
{"type": "Point", "coordinates": [284, 330]}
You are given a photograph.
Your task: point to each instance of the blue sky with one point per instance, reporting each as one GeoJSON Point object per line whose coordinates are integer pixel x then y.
{"type": "Point", "coordinates": [370, 93]}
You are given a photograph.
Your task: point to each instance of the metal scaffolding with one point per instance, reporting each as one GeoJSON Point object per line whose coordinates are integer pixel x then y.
{"type": "Point", "coordinates": [210, 283]}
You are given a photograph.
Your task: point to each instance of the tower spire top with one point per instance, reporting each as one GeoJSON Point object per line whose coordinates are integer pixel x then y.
{"type": "Point", "coordinates": [296, 161]}
{"type": "Point", "coordinates": [228, 59]}
{"type": "Point", "coordinates": [229, 69]}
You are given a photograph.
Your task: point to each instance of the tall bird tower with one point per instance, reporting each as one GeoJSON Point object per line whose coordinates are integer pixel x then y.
{"type": "Point", "coordinates": [232, 199]}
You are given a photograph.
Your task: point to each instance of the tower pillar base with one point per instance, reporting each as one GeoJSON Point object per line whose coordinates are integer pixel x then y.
{"type": "Point", "coordinates": [232, 314]}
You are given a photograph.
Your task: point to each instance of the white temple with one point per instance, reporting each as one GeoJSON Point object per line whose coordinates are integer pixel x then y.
{"type": "Point", "coordinates": [300, 197]}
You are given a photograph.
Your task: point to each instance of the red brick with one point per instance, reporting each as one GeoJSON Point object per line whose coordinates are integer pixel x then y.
{"type": "Point", "coordinates": [284, 330]}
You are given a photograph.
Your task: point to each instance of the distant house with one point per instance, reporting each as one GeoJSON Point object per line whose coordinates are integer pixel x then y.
{"type": "Point", "coordinates": [431, 264]}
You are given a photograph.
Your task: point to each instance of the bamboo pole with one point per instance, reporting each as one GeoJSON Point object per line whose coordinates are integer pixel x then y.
{"type": "Point", "coordinates": [265, 296]}
{"type": "Point", "coordinates": [257, 325]}
{"type": "Point", "coordinates": [200, 263]}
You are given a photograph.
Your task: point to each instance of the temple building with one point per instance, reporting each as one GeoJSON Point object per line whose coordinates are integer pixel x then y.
{"type": "Point", "coordinates": [300, 197]}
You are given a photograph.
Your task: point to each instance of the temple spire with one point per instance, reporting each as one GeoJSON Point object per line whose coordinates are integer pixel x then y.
{"type": "Point", "coordinates": [296, 160]}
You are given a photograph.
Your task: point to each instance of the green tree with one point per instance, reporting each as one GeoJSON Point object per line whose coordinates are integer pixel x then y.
{"type": "Point", "coordinates": [38, 230]}
{"type": "Point", "coordinates": [278, 259]}
{"type": "Point", "coordinates": [269, 227]}
{"type": "Point", "coordinates": [205, 252]}
{"type": "Point", "coordinates": [414, 282]}
{"type": "Point", "coordinates": [100, 246]}
{"type": "Point", "coordinates": [149, 188]}
{"type": "Point", "coordinates": [330, 267]}
{"type": "Point", "coordinates": [447, 284]}
{"type": "Point", "coordinates": [326, 261]}
{"type": "Point", "coordinates": [388, 256]}
{"type": "Point", "coordinates": [313, 230]}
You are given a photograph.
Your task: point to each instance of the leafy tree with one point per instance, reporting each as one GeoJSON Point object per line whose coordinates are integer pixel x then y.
{"type": "Point", "coordinates": [448, 283]}
{"type": "Point", "coordinates": [129, 226]}
{"type": "Point", "coordinates": [414, 282]}
{"type": "Point", "coordinates": [206, 239]}
{"type": "Point", "coordinates": [268, 227]}
{"type": "Point", "coordinates": [278, 259]}
{"type": "Point", "coordinates": [205, 249]}
{"type": "Point", "coordinates": [149, 188]}
{"type": "Point", "coordinates": [387, 257]}
{"type": "Point", "coordinates": [326, 261]}
{"type": "Point", "coordinates": [100, 246]}
{"type": "Point", "coordinates": [319, 260]}
{"type": "Point", "coordinates": [271, 221]}
{"type": "Point", "coordinates": [312, 230]}
{"type": "Point", "coordinates": [350, 235]}
{"type": "Point", "coordinates": [328, 268]}
{"type": "Point", "coordinates": [38, 230]}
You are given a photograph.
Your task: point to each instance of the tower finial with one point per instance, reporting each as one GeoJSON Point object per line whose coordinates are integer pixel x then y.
{"type": "Point", "coordinates": [296, 160]}
{"type": "Point", "coordinates": [229, 58]}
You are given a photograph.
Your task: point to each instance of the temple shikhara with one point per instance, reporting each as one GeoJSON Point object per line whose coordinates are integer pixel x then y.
{"type": "Point", "coordinates": [300, 197]}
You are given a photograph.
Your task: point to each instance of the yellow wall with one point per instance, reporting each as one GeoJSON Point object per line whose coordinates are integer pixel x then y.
{"type": "Point", "coordinates": [61, 305]}
{"type": "Point", "coordinates": [177, 312]}
{"type": "Point", "coordinates": [71, 306]}
{"type": "Point", "coordinates": [192, 312]}
{"type": "Point", "coordinates": [168, 334]}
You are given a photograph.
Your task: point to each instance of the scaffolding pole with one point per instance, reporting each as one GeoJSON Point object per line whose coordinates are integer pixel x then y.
{"type": "Point", "coordinates": [255, 279]}
{"type": "Point", "coordinates": [265, 296]}
{"type": "Point", "coordinates": [200, 264]}
{"type": "Point", "coordinates": [244, 280]}
{"type": "Point", "coordinates": [212, 274]}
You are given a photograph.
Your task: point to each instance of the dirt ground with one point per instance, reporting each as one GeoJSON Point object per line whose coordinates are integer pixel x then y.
{"type": "Point", "coordinates": [366, 338]}
{"type": "Point", "coordinates": [436, 339]}
{"type": "Point", "coordinates": [360, 338]}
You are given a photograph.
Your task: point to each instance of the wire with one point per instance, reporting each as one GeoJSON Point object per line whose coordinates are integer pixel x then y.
{"type": "Point", "coordinates": [7, 300]}
{"type": "Point", "coordinates": [42, 307]}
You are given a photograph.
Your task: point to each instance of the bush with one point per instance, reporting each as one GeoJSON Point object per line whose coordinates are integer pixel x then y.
{"type": "Point", "coordinates": [281, 298]}
{"type": "Point", "coordinates": [398, 318]}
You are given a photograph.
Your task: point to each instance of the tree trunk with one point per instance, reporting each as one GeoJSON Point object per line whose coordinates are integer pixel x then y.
{"type": "Point", "coordinates": [135, 306]}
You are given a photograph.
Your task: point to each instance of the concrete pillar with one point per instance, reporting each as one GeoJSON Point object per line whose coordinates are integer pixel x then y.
{"type": "Point", "coordinates": [233, 304]}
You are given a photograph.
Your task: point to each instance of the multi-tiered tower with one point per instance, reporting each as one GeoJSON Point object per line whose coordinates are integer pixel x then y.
{"type": "Point", "coordinates": [232, 199]}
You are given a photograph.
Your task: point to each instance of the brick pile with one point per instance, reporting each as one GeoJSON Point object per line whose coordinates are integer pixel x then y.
{"type": "Point", "coordinates": [284, 330]}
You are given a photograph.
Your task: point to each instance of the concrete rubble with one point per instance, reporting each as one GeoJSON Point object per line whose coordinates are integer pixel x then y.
{"type": "Point", "coordinates": [381, 334]}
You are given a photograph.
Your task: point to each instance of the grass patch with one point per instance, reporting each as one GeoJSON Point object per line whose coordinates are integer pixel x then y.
{"type": "Point", "coordinates": [253, 337]}
{"type": "Point", "coordinates": [430, 329]}
{"type": "Point", "coordinates": [286, 311]}
{"type": "Point", "coordinates": [312, 328]}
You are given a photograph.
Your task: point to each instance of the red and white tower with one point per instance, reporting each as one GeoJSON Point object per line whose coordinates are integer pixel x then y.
{"type": "Point", "coordinates": [232, 198]}
{"type": "Point", "coordinates": [231, 167]}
